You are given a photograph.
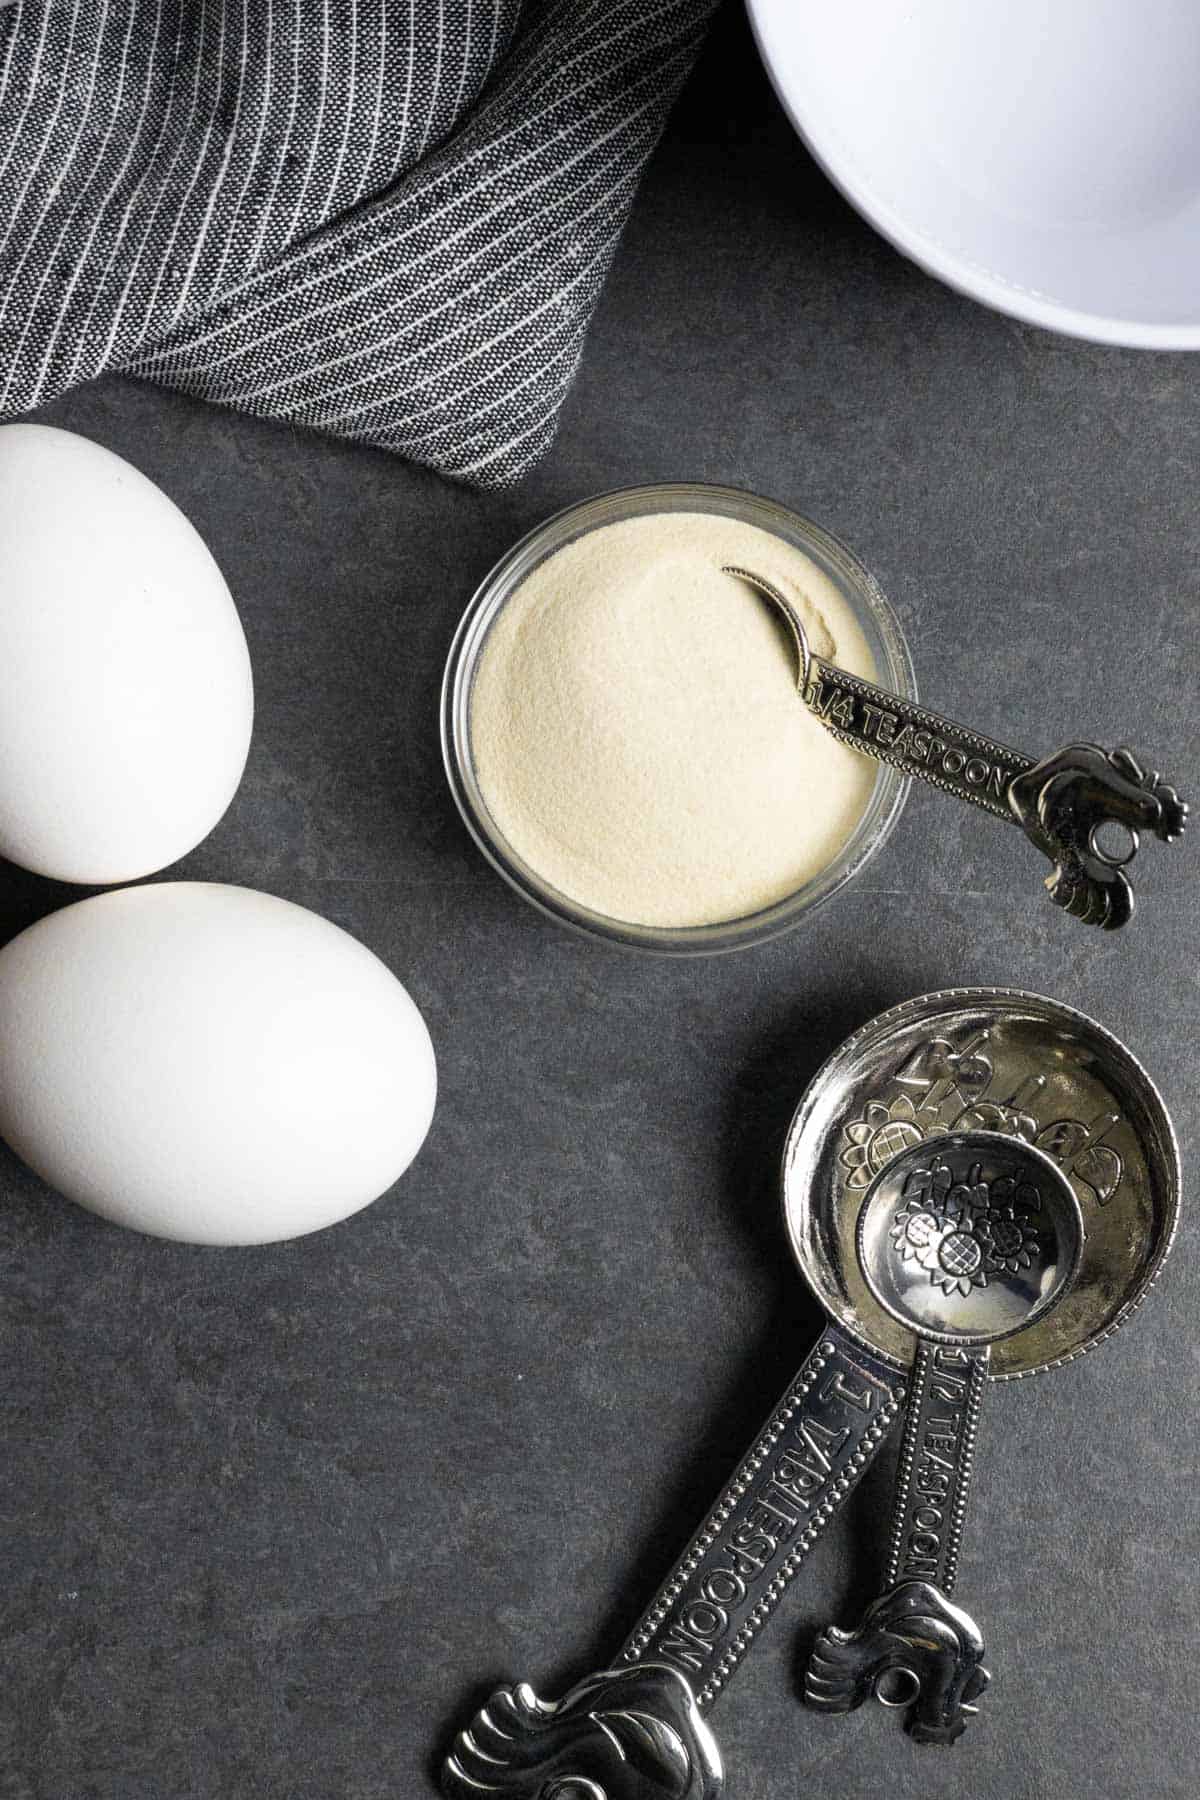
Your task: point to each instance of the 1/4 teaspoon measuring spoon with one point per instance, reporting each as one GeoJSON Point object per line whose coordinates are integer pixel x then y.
{"type": "Point", "coordinates": [1072, 805]}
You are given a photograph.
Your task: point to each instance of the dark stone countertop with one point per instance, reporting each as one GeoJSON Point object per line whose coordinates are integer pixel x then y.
{"type": "Point", "coordinates": [274, 1517]}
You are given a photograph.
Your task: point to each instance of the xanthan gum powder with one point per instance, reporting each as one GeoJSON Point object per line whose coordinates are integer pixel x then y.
{"type": "Point", "coordinates": [636, 731]}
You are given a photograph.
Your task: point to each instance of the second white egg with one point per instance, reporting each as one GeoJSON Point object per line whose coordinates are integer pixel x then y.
{"type": "Point", "coordinates": [209, 1063]}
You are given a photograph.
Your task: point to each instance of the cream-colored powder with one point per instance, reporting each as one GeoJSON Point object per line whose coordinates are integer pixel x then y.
{"type": "Point", "coordinates": [636, 731]}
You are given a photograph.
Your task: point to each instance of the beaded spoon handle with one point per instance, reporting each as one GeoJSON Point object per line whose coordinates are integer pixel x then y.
{"type": "Point", "coordinates": [1065, 804]}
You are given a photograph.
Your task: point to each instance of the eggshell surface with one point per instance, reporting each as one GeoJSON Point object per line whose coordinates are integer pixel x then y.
{"type": "Point", "coordinates": [126, 699]}
{"type": "Point", "coordinates": [208, 1063]}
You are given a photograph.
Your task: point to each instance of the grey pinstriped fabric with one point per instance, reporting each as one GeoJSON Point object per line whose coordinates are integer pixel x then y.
{"type": "Point", "coordinates": [387, 219]}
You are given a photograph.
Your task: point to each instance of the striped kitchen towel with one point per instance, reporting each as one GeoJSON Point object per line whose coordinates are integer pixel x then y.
{"type": "Point", "coordinates": [387, 219]}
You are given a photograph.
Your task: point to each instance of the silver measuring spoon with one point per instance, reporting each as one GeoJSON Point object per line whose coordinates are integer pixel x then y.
{"type": "Point", "coordinates": [965, 1241]}
{"type": "Point", "coordinates": [1083, 807]}
{"type": "Point", "coordinates": [1010, 1071]}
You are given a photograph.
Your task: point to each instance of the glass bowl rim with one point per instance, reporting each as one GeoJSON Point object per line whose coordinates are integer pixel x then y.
{"type": "Point", "coordinates": [861, 589]}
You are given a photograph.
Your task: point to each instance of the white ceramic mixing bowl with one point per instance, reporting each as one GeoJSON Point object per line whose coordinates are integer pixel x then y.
{"type": "Point", "coordinates": [1040, 155]}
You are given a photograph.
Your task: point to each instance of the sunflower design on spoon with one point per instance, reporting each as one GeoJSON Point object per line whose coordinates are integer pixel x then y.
{"type": "Point", "coordinates": [960, 1232]}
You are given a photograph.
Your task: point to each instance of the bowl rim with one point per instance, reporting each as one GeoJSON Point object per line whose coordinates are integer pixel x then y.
{"type": "Point", "coordinates": [956, 269]}
{"type": "Point", "coordinates": [875, 614]}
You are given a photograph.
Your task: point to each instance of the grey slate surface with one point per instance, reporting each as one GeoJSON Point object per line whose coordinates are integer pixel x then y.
{"type": "Point", "coordinates": [273, 1517]}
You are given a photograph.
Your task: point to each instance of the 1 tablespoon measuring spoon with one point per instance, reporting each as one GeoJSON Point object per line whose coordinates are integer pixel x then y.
{"type": "Point", "coordinates": [1070, 805]}
{"type": "Point", "coordinates": [965, 1241]}
{"type": "Point", "coordinates": [962, 1059]}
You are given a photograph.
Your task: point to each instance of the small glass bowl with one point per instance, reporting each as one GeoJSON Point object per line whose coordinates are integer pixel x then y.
{"type": "Point", "coordinates": [893, 666]}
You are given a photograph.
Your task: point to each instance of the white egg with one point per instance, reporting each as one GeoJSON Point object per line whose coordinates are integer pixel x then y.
{"type": "Point", "coordinates": [209, 1063]}
{"type": "Point", "coordinates": [126, 700]}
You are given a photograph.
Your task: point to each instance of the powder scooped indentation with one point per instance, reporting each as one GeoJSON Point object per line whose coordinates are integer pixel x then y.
{"type": "Point", "coordinates": [636, 731]}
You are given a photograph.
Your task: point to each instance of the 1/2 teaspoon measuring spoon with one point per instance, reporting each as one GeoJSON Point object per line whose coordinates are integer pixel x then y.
{"type": "Point", "coordinates": [1072, 805]}
{"type": "Point", "coordinates": [965, 1241]}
